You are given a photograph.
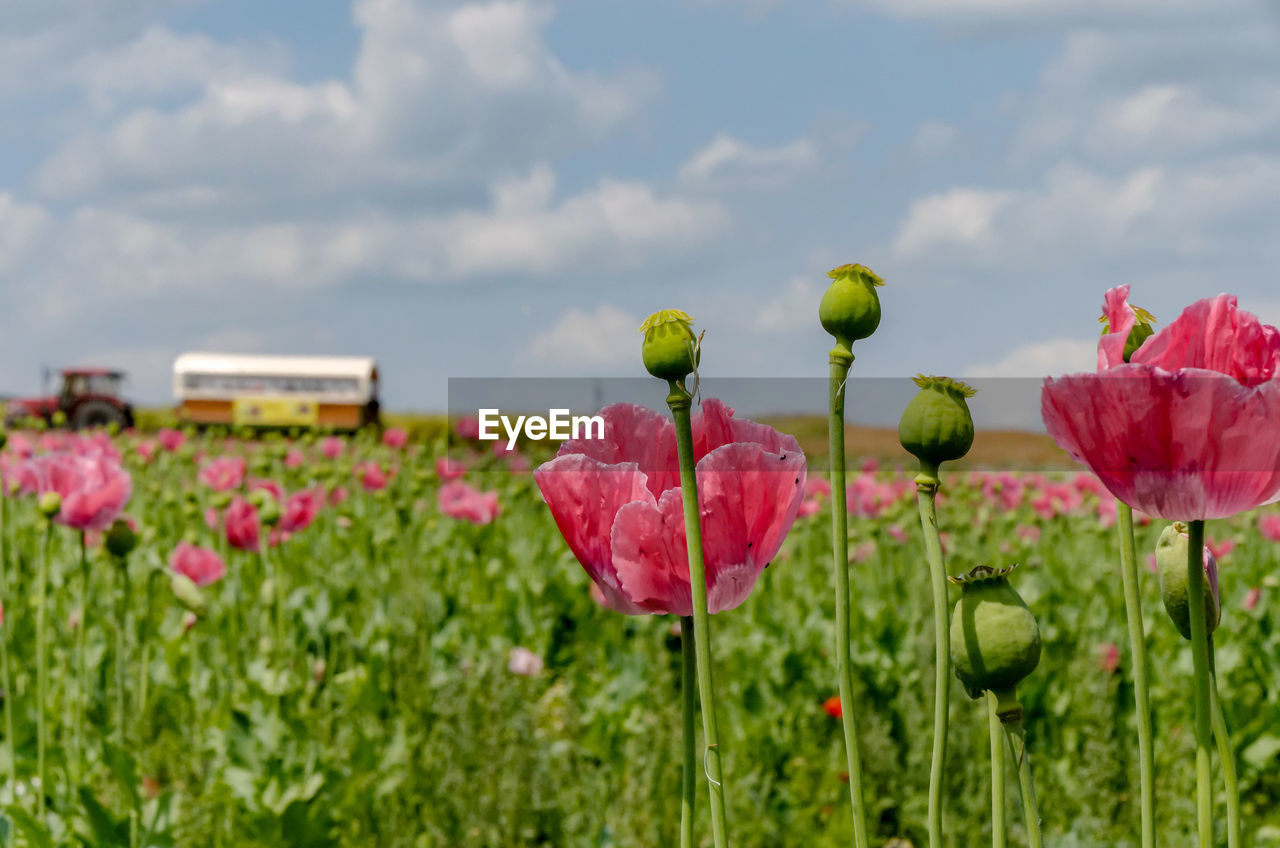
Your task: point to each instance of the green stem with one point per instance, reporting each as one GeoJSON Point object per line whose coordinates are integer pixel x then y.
{"type": "Point", "coordinates": [689, 697]}
{"type": "Point", "coordinates": [679, 401]}
{"type": "Point", "coordinates": [1017, 738]}
{"type": "Point", "coordinates": [926, 491]}
{"type": "Point", "coordinates": [122, 649]}
{"type": "Point", "coordinates": [42, 683]}
{"type": "Point", "coordinates": [1226, 754]}
{"type": "Point", "coordinates": [82, 664]}
{"type": "Point", "coordinates": [997, 772]}
{"type": "Point", "coordinates": [841, 360]}
{"type": "Point", "coordinates": [277, 564]}
{"type": "Point", "coordinates": [5, 680]}
{"type": "Point", "coordinates": [1138, 649]}
{"type": "Point", "coordinates": [1200, 664]}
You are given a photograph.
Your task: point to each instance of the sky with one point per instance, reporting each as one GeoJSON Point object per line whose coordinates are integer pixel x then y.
{"type": "Point", "coordinates": [506, 189]}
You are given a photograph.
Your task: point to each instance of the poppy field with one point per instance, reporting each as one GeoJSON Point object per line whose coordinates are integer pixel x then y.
{"type": "Point", "coordinates": [427, 639]}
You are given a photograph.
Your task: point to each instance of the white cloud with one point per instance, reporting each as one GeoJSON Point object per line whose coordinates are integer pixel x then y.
{"type": "Point", "coordinates": [439, 95]}
{"type": "Point", "coordinates": [729, 163]}
{"type": "Point", "coordinates": [1040, 359]}
{"type": "Point", "coordinates": [584, 339]}
{"type": "Point", "coordinates": [961, 216]}
{"type": "Point", "coordinates": [932, 139]}
{"type": "Point", "coordinates": [795, 308]}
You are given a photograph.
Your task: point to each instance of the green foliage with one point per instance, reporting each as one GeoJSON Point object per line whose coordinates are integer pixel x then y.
{"type": "Point", "coordinates": [389, 716]}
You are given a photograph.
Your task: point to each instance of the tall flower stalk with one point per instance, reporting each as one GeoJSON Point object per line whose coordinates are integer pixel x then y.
{"type": "Point", "coordinates": [1200, 666]}
{"type": "Point", "coordinates": [689, 717]}
{"type": "Point", "coordinates": [50, 506]}
{"type": "Point", "coordinates": [670, 353]}
{"type": "Point", "coordinates": [850, 310]}
{"type": "Point", "coordinates": [1141, 690]}
{"type": "Point", "coordinates": [936, 427]}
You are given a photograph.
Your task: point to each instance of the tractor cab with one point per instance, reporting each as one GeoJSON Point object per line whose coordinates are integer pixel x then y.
{"type": "Point", "coordinates": [88, 397]}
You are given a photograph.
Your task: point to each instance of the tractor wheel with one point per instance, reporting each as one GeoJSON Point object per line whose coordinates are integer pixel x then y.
{"type": "Point", "coordinates": [97, 413]}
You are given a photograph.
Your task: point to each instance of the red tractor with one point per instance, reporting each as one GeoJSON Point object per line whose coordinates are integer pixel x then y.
{"type": "Point", "coordinates": [90, 397]}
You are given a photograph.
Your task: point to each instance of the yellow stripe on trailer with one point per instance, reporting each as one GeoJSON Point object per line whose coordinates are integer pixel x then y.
{"type": "Point", "coordinates": [275, 412]}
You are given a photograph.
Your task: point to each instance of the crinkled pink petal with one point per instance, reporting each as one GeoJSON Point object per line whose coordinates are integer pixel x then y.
{"type": "Point", "coordinates": [714, 426]}
{"type": "Point", "coordinates": [1188, 445]}
{"type": "Point", "coordinates": [636, 434]}
{"type": "Point", "coordinates": [584, 495]}
{"type": "Point", "coordinates": [1213, 334]}
{"type": "Point", "coordinates": [1120, 320]}
{"type": "Point", "coordinates": [748, 497]}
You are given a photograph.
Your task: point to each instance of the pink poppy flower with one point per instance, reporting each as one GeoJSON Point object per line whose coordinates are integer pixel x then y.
{"type": "Point", "coordinates": [395, 437]}
{"type": "Point", "coordinates": [897, 533]}
{"type": "Point", "coordinates": [200, 565]}
{"type": "Point", "coordinates": [94, 489]}
{"type": "Point", "coordinates": [331, 447]}
{"type": "Point", "coordinates": [808, 507]}
{"type": "Point", "coordinates": [449, 468]}
{"type": "Point", "coordinates": [224, 473]}
{"type": "Point", "coordinates": [241, 522]}
{"type": "Point", "coordinates": [170, 439]}
{"type": "Point", "coordinates": [458, 500]}
{"type": "Point", "coordinates": [1251, 599]}
{"type": "Point", "coordinates": [300, 510]}
{"type": "Point", "coordinates": [21, 446]}
{"type": "Point", "coordinates": [212, 519]}
{"type": "Point", "coordinates": [1109, 657]}
{"type": "Point", "coordinates": [337, 495]}
{"type": "Point", "coordinates": [372, 477]}
{"type": "Point", "coordinates": [617, 502]}
{"type": "Point", "coordinates": [293, 459]}
{"type": "Point", "coordinates": [1186, 430]}
{"type": "Point", "coordinates": [524, 662]}
{"type": "Point", "coordinates": [468, 428]}
{"type": "Point", "coordinates": [1269, 526]}
{"type": "Point", "coordinates": [146, 450]}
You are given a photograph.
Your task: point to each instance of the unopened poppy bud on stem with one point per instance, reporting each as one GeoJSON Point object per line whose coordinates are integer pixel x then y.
{"type": "Point", "coordinates": [936, 426]}
{"type": "Point", "coordinates": [1171, 560]}
{"type": "Point", "coordinates": [50, 504]}
{"type": "Point", "coordinates": [670, 348]}
{"type": "Point", "coordinates": [121, 540]}
{"type": "Point", "coordinates": [995, 641]}
{"type": "Point", "coordinates": [850, 310]}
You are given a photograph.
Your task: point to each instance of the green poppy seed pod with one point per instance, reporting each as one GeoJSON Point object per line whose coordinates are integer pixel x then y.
{"type": "Point", "coordinates": [1171, 561]}
{"type": "Point", "coordinates": [670, 350]}
{"type": "Point", "coordinates": [268, 508]}
{"type": "Point", "coordinates": [50, 504]}
{"type": "Point", "coordinates": [995, 641]}
{"type": "Point", "coordinates": [58, 419]}
{"type": "Point", "coordinates": [936, 426]}
{"type": "Point", "coordinates": [187, 593]}
{"type": "Point", "coordinates": [121, 540]}
{"type": "Point", "coordinates": [850, 310]}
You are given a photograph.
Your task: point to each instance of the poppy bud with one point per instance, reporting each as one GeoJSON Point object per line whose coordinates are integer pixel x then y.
{"type": "Point", "coordinates": [50, 504]}
{"type": "Point", "coordinates": [121, 540]}
{"type": "Point", "coordinates": [850, 310]}
{"type": "Point", "coordinates": [1171, 561]}
{"type": "Point", "coordinates": [670, 348]}
{"type": "Point", "coordinates": [995, 641]}
{"type": "Point", "coordinates": [187, 593]}
{"type": "Point", "coordinates": [936, 426]}
{"type": "Point", "coordinates": [268, 508]}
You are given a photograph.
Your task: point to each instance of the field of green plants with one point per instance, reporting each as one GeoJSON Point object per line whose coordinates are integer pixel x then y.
{"type": "Point", "coordinates": [419, 660]}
